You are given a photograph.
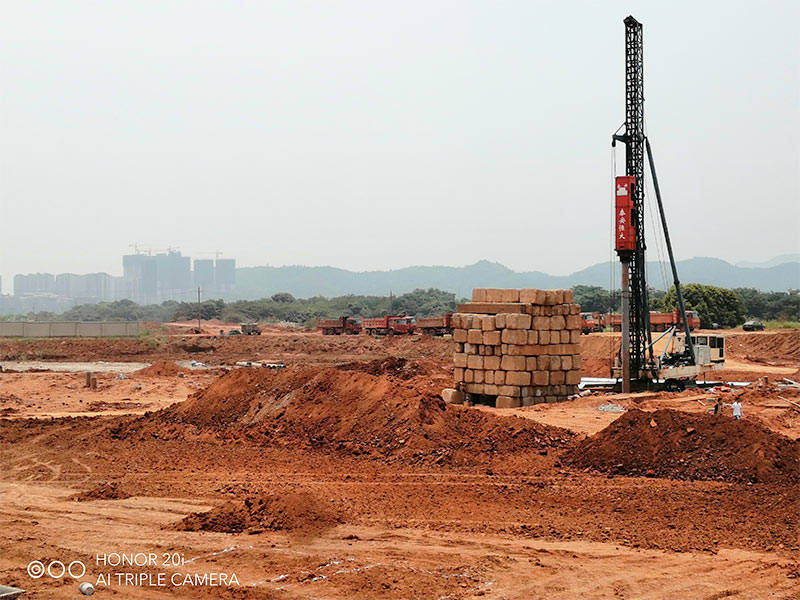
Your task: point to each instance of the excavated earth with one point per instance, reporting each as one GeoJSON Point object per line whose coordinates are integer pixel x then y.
{"type": "Point", "coordinates": [345, 475]}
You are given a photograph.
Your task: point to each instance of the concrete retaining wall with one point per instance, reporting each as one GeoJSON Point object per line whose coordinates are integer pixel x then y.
{"type": "Point", "coordinates": [70, 329]}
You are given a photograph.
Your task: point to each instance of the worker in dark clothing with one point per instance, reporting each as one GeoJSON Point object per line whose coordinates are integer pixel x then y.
{"type": "Point", "coordinates": [718, 406]}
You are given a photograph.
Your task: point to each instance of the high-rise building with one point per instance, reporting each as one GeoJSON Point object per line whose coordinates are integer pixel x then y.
{"type": "Point", "coordinates": [204, 274]}
{"type": "Point", "coordinates": [225, 274]}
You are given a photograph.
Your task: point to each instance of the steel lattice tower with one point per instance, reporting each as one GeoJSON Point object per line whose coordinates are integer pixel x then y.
{"type": "Point", "coordinates": [640, 337]}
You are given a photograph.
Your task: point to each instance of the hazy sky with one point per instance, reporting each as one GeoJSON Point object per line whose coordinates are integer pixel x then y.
{"type": "Point", "coordinates": [377, 134]}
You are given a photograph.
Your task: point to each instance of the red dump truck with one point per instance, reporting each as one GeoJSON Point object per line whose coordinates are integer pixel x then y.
{"type": "Point", "coordinates": [389, 325]}
{"type": "Point", "coordinates": [436, 325]}
{"type": "Point", "coordinates": [592, 322]}
{"type": "Point", "coordinates": [342, 325]}
{"type": "Point", "coordinates": [661, 321]}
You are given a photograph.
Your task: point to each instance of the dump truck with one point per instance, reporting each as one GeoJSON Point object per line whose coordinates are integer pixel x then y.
{"type": "Point", "coordinates": [340, 326]}
{"type": "Point", "coordinates": [389, 325]}
{"type": "Point", "coordinates": [660, 321]}
{"type": "Point", "coordinates": [592, 322]}
{"type": "Point", "coordinates": [436, 325]}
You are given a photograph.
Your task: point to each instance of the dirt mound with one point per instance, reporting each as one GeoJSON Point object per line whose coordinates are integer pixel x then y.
{"type": "Point", "coordinates": [779, 347]}
{"type": "Point", "coordinates": [400, 368]}
{"type": "Point", "coordinates": [356, 412]}
{"type": "Point", "coordinates": [678, 445]}
{"type": "Point", "coordinates": [294, 512]}
{"type": "Point", "coordinates": [162, 368]}
{"type": "Point", "coordinates": [105, 491]}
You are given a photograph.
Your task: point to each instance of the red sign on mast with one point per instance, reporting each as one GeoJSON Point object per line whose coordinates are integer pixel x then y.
{"type": "Point", "coordinates": [625, 233]}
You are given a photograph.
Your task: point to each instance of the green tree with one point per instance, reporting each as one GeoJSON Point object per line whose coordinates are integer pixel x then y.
{"type": "Point", "coordinates": [714, 304]}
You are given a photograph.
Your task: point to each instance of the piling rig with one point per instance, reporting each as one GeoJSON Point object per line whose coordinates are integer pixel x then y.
{"type": "Point", "coordinates": [639, 368]}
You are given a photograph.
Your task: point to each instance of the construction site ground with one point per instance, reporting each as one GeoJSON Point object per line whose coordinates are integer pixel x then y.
{"type": "Point", "coordinates": [345, 475]}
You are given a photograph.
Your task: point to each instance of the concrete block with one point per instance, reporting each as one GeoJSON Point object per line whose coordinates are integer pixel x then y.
{"type": "Point", "coordinates": [474, 388]}
{"type": "Point", "coordinates": [487, 323]}
{"type": "Point", "coordinates": [514, 336]}
{"type": "Point", "coordinates": [494, 295]}
{"type": "Point", "coordinates": [460, 359]}
{"type": "Point", "coordinates": [518, 378]}
{"type": "Point", "coordinates": [549, 298]}
{"type": "Point", "coordinates": [565, 336]}
{"type": "Point", "coordinates": [574, 337]}
{"type": "Point", "coordinates": [574, 309]}
{"type": "Point", "coordinates": [469, 375]}
{"type": "Point", "coordinates": [541, 323]}
{"type": "Point", "coordinates": [557, 323]}
{"type": "Point", "coordinates": [474, 336]}
{"type": "Point", "coordinates": [577, 361]}
{"type": "Point", "coordinates": [499, 377]}
{"type": "Point", "coordinates": [490, 389]}
{"type": "Point", "coordinates": [573, 377]}
{"type": "Point", "coordinates": [477, 376]}
{"type": "Point", "coordinates": [479, 295]}
{"type": "Point", "coordinates": [569, 297]}
{"type": "Point", "coordinates": [566, 363]}
{"type": "Point", "coordinates": [541, 378]}
{"type": "Point", "coordinates": [458, 375]}
{"type": "Point", "coordinates": [474, 362]}
{"type": "Point", "coordinates": [557, 377]}
{"type": "Point", "coordinates": [500, 320]}
{"type": "Point", "coordinates": [573, 322]}
{"type": "Point", "coordinates": [509, 390]}
{"type": "Point", "coordinates": [491, 362]}
{"type": "Point", "coordinates": [513, 363]}
{"type": "Point", "coordinates": [492, 308]}
{"type": "Point", "coordinates": [544, 335]}
{"type": "Point", "coordinates": [533, 336]}
{"type": "Point", "coordinates": [508, 402]}
{"type": "Point", "coordinates": [531, 363]}
{"type": "Point", "coordinates": [451, 396]}
{"type": "Point", "coordinates": [491, 338]}
{"type": "Point", "coordinates": [488, 376]}
{"type": "Point", "coordinates": [460, 335]}
{"type": "Point", "coordinates": [518, 322]}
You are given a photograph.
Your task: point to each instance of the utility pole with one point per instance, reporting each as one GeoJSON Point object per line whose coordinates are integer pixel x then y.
{"type": "Point", "coordinates": [198, 308]}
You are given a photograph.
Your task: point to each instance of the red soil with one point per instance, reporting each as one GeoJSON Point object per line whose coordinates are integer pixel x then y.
{"type": "Point", "coordinates": [162, 368]}
{"type": "Point", "coordinates": [765, 347]}
{"type": "Point", "coordinates": [677, 445]}
{"type": "Point", "coordinates": [349, 411]}
{"type": "Point", "coordinates": [105, 491]}
{"type": "Point", "coordinates": [295, 512]}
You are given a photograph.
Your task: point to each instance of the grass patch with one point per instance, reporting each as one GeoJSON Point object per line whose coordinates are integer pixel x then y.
{"type": "Point", "coordinates": [782, 324]}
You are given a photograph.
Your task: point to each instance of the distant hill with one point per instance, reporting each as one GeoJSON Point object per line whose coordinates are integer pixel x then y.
{"type": "Point", "coordinates": [778, 260]}
{"type": "Point", "coordinates": [304, 282]}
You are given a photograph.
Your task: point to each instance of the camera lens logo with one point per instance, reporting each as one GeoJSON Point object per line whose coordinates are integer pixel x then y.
{"type": "Point", "coordinates": [56, 569]}
{"type": "Point", "coordinates": [35, 569]}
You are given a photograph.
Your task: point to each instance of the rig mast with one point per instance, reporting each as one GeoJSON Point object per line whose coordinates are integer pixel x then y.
{"type": "Point", "coordinates": [637, 320]}
{"type": "Point", "coordinates": [638, 363]}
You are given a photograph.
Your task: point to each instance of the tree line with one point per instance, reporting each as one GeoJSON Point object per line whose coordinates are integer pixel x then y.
{"type": "Point", "coordinates": [727, 308]}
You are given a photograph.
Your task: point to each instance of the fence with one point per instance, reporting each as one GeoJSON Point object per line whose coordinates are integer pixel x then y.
{"type": "Point", "coordinates": [30, 329]}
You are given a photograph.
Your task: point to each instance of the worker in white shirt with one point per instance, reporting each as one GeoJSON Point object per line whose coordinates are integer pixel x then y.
{"type": "Point", "coordinates": [736, 405]}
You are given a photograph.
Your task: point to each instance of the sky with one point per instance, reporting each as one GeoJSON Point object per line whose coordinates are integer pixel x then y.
{"type": "Point", "coordinates": [375, 135]}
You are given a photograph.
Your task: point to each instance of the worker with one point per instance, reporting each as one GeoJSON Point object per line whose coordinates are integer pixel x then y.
{"type": "Point", "coordinates": [718, 406]}
{"type": "Point", "coordinates": [737, 409]}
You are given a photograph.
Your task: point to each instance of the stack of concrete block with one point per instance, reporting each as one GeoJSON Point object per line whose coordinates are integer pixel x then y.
{"type": "Point", "coordinates": [518, 347]}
